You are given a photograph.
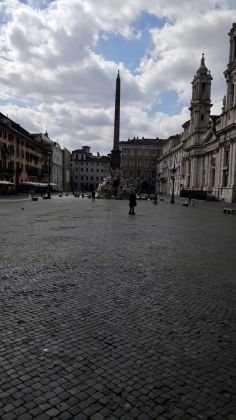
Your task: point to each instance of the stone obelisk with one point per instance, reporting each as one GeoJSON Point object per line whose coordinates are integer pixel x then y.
{"type": "Point", "coordinates": [115, 153]}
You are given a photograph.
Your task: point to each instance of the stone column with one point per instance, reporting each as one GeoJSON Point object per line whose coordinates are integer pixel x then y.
{"type": "Point", "coordinates": [221, 160]}
{"type": "Point", "coordinates": [206, 170]}
{"type": "Point", "coordinates": [193, 173]}
{"type": "Point", "coordinates": [234, 87]}
{"type": "Point", "coordinates": [232, 165]}
{"type": "Point", "coordinates": [200, 172]}
{"type": "Point", "coordinates": [208, 174]}
{"type": "Point", "coordinates": [217, 172]}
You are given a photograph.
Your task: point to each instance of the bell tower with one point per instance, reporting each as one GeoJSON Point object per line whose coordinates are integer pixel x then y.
{"type": "Point", "coordinates": [200, 106]}
{"type": "Point", "coordinates": [230, 72]}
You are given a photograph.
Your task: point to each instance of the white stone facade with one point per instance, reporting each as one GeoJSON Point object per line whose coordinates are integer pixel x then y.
{"type": "Point", "coordinates": [57, 167]}
{"type": "Point", "coordinates": [203, 162]}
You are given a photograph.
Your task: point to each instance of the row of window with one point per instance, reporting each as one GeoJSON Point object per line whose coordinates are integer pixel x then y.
{"type": "Point", "coordinates": [11, 166]}
{"type": "Point", "coordinates": [141, 152]}
{"type": "Point", "coordinates": [7, 152]}
{"type": "Point", "coordinates": [89, 163]}
{"type": "Point", "coordinates": [82, 178]}
{"type": "Point", "coordinates": [4, 134]}
{"type": "Point", "coordinates": [87, 170]}
{"type": "Point", "coordinates": [138, 174]}
{"type": "Point", "coordinates": [139, 162]}
{"type": "Point", "coordinates": [7, 166]}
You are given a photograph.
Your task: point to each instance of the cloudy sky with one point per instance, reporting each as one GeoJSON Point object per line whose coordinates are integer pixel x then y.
{"type": "Point", "coordinates": [59, 62]}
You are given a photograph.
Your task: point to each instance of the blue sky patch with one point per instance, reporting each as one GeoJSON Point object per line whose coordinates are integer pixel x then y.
{"type": "Point", "coordinates": [19, 102]}
{"type": "Point", "coordinates": [168, 103]}
{"type": "Point", "coordinates": [129, 51]}
{"type": "Point", "coordinates": [39, 4]}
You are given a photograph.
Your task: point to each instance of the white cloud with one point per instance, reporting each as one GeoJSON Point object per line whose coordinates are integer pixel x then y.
{"type": "Point", "coordinates": [178, 49]}
{"type": "Point", "coordinates": [49, 69]}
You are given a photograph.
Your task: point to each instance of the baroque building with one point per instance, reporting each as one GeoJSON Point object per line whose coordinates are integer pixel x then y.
{"type": "Point", "coordinates": [202, 163]}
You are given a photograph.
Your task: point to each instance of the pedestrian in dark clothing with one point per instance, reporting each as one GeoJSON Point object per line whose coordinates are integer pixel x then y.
{"type": "Point", "coordinates": [155, 199]}
{"type": "Point", "coordinates": [189, 198]}
{"type": "Point", "coordinates": [132, 203]}
{"type": "Point", "coordinates": [93, 196]}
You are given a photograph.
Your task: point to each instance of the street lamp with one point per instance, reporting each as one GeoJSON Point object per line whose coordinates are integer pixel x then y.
{"type": "Point", "coordinates": [138, 185]}
{"type": "Point", "coordinates": [159, 182]}
{"type": "Point", "coordinates": [49, 174]}
{"type": "Point", "coordinates": [173, 185]}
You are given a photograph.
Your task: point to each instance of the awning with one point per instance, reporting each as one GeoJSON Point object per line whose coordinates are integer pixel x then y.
{"type": "Point", "coordinates": [37, 184]}
{"type": "Point", "coordinates": [6, 183]}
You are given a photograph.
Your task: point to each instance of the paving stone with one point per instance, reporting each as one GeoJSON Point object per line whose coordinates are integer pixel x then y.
{"type": "Point", "coordinates": [30, 405]}
{"type": "Point", "coordinates": [25, 416]}
{"type": "Point", "coordinates": [53, 412]}
{"type": "Point", "coordinates": [65, 416]}
{"type": "Point", "coordinates": [97, 416]}
{"type": "Point", "coordinates": [126, 416]}
{"type": "Point", "coordinates": [81, 416]}
{"type": "Point", "coordinates": [9, 416]}
{"type": "Point", "coordinates": [20, 410]}
{"type": "Point", "coordinates": [105, 412]}
{"type": "Point", "coordinates": [8, 408]}
{"type": "Point", "coordinates": [42, 417]}
{"type": "Point", "coordinates": [143, 417]}
{"type": "Point", "coordinates": [134, 316]}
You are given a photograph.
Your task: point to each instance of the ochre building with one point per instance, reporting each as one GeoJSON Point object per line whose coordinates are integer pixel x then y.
{"type": "Point", "coordinates": [22, 159]}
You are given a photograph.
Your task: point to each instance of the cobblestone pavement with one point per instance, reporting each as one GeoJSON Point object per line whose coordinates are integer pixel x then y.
{"type": "Point", "coordinates": [109, 316]}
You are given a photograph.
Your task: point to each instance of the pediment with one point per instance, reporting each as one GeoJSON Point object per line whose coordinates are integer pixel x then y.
{"type": "Point", "coordinates": [209, 137]}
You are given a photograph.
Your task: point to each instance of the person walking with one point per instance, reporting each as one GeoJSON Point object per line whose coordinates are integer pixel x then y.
{"type": "Point", "coordinates": [132, 203]}
{"type": "Point", "coordinates": [155, 199]}
{"type": "Point", "coordinates": [93, 196]}
{"type": "Point", "coordinates": [189, 198]}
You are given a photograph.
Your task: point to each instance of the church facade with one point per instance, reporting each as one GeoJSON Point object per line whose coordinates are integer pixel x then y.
{"type": "Point", "coordinates": [202, 163]}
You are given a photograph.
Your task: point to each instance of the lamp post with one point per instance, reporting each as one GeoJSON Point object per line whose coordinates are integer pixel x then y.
{"type": "Point", "coordinates": [159, 183]}
{"type": "Point", "coordinates": [49, 174]}
{"type": "Point", "coordinates": [173, 185]}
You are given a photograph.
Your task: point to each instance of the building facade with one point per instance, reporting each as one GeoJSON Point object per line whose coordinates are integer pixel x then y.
{"type": "Point", "coordinates": [138, 162]}
{"type": "Point", "coordinates": [55, 156]}
{"type": "Point", "coordinates": [57, 167]}
{"type": "Point", "coordinates": [87, 170]}
{"type": "Point", "coordinates": [171, 158]}
{"type": "Point", "coordinates": [21, 156]}
{"type": "Point", "coordinates": [203, 163]}
{"type": "Point", "coordinates": [66, 177]}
